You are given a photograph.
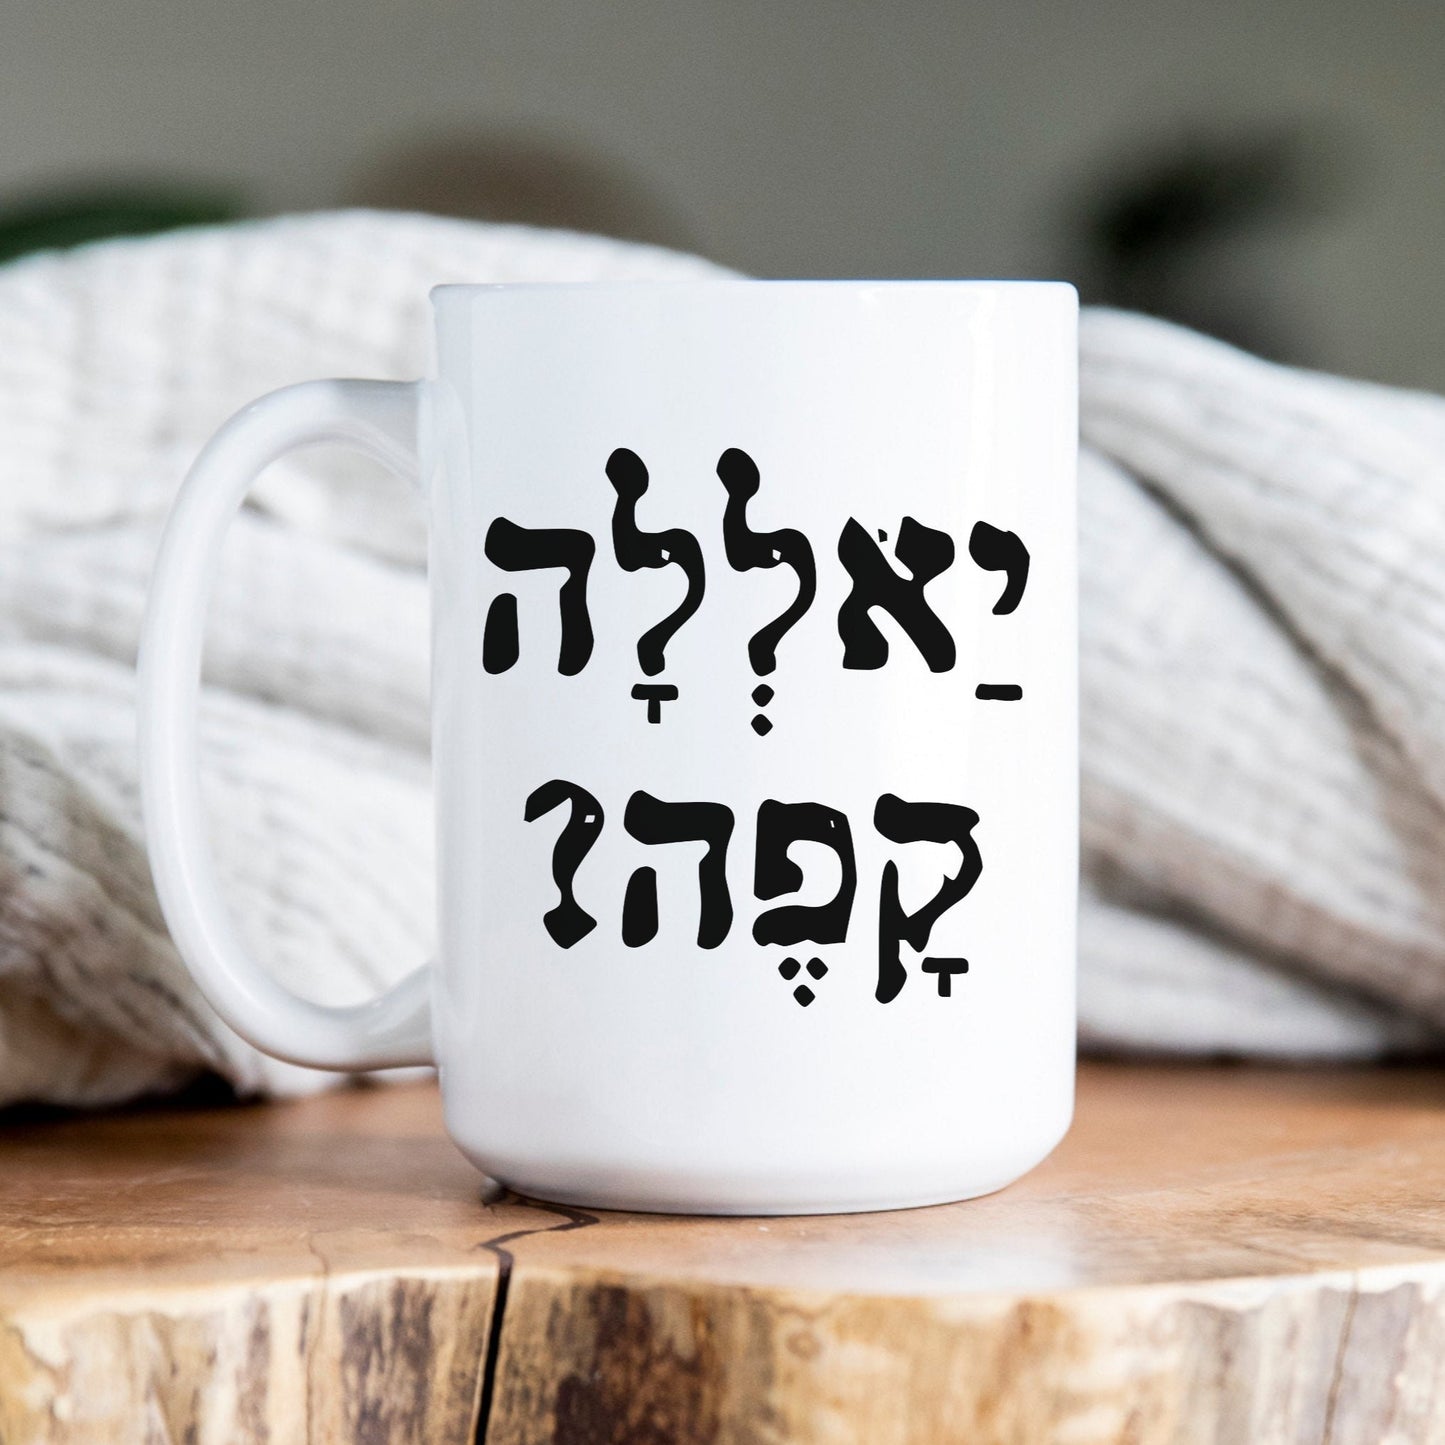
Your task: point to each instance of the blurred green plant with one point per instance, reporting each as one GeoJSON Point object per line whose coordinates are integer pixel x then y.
{"type": "Point", "coordinates": [59, 219]}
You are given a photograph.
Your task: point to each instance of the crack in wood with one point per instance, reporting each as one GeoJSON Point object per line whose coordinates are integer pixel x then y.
{"type": "Point", "coordinates": [1338, 1373]}
{"type": "Point", "coordinates": [571, 1219]}
{"type": "Point", "coordinates": [307, 1345]}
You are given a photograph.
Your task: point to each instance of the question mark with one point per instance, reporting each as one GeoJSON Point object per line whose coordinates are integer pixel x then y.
{"type": "Point", "coordinates": [568, 922]}
{"type": "Point", "coordinates": [747, 549]}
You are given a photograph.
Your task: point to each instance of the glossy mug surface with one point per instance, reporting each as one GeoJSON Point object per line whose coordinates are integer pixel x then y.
{"type": "Point", "coordinates": [755, 737]}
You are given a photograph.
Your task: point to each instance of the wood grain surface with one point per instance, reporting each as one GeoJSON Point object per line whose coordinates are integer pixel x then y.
{"type": "Point", "coordinates": [1214, 1254]}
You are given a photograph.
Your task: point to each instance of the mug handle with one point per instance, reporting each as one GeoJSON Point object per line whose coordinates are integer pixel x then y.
{"type": "Point", "coordinates": [380, 419]}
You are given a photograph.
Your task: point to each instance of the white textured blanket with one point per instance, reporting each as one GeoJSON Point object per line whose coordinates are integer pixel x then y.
{"type": "Point", "coordinates": [1264, 663]}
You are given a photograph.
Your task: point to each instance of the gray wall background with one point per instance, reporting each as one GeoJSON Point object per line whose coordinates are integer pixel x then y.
{"type": "Point", "coordinates": [817, 137]}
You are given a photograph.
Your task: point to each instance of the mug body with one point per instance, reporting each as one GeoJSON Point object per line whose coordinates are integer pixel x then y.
{"type": "Point", "coordinates": [755, 737]}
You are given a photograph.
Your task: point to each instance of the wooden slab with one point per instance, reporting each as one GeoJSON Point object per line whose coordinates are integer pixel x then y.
{"type": "Point", "coordinates": [1231, 1255]}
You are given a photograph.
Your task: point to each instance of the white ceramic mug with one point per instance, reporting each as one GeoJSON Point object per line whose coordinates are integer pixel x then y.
{"type": "Point", "coordinates": [754, 736]}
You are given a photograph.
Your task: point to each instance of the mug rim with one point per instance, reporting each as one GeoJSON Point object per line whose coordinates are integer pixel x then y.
{"type": "Point", "coordinates": [448, 290]}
